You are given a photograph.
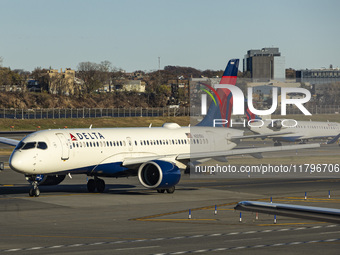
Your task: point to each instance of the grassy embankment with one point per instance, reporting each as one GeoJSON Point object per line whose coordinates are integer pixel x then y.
{"type": "Point", "coordinates": [31, 124]}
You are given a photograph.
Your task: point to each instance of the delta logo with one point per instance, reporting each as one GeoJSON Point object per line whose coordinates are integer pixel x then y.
{"type": "Point", "coordinates": [73, 138]}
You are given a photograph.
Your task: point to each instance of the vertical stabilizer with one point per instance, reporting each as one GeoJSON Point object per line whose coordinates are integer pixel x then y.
{"type": "Point", "coordinates": [222, 104]}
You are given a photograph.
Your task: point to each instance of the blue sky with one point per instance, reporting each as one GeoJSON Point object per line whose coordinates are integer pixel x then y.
{"type": "Point", "coordinates": [132, 34]}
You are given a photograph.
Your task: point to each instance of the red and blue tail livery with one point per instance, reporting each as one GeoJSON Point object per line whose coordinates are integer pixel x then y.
{"type": "Point", "coordinates": [223, 96]}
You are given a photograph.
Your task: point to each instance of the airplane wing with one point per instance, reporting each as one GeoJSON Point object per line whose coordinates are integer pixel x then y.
{"type": "Point", "coordinates": [267, 135]}
{"type": "Point", "coordinates": [12, 142]}
{"type": "Point", "coordinates": [200, 155]}
{"type": "Point", "coordinates": [296, 211]}
{"type": "Point", "coordinates": [140, 160]}
{"type": "Point", "coordinates": [334, 139]}
{"type": "Point", "coordinates": [9, 141]}
{"type": "Point", "coordinates": [255, 152]}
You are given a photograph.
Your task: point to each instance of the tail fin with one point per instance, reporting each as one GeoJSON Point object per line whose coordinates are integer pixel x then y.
{"type": "Point", "coordinates": [222, 110]}
{"type": "Point", "coordinates": [250, 116]}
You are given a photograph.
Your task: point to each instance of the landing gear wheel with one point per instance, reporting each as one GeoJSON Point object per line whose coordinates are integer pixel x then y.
{"type": "Point", "coordinates": [100, 185]}
{"type": "Point", "coordinates": [31, 192]}
{"type": "Point", "coordinates": [160, 190]}
{"type": "Point", "coordinates": [34, 192]}
{"type": "Point", "coordinates": [171, 190]}
{"type": "Point", "coordinates": [91, 186]}
{"type": "Point", "coordinates": [37, 192]}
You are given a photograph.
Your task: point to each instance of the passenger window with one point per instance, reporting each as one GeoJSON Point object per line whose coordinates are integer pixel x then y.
{"type": "Point", "coordinates": [42, 146]}
{"type": "Point", "coordinates": [29, 146]}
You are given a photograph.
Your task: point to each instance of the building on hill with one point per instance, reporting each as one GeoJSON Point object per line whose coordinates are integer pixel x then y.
{"type": "Point", "coordinates": [61, 82]}
{"type": "Point", "coordinates": [131, 85]}
{"type": "Point", "coordinates": [180, 91]}
{"type": "Point", "coordinates": [265, 64]}
{"type": "Point", "coordinates": [318, 76]}
{"type": "Point", "coordinates": [319, 79]}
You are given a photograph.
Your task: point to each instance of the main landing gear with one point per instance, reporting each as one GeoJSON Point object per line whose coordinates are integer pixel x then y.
{"type": "Point", "coordinates": [277, 143]}
{"type": "Point", "coordinates": [96, 184]}
{"type": "Point", "coordinates": [169, 190]}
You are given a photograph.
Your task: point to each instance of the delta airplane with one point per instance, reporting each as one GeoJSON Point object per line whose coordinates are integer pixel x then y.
{"type": "Point", "coordinates": [154, 154]}
{"type": "Point", "coordinates": [294, 131]}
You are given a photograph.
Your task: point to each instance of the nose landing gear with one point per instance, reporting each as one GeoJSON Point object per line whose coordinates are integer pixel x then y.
{"type": "Point", "coordinates": [34, 192]}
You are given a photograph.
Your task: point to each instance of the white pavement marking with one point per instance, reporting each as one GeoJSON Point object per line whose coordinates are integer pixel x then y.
{"type": "Point", "coordinates": [194, 236]}
{"type": "Point", "coordinates": [136, 248]}
{"type": "Point", "coordinates": [251, 247]}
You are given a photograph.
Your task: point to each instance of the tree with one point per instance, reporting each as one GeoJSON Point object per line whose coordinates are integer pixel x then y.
{"type": "Point", "coordinates": [106, 73]}
{"type": "Point", "coordinates": [39, 74]}
{"type": "Point", "coordinates": [97, 75]}
{"type": "Point", "coordinates": [89, 73]}
{"type": "Point", "coordinates": [23, 78]}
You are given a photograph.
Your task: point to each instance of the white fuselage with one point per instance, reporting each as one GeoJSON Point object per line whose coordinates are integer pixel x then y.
{"type": "Point", "coordinates": [103, 150]}
{"type": "Point", "coordinates": [299, 130]}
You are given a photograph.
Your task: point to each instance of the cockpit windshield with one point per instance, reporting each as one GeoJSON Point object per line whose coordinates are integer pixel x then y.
{"type": "Point", "coordinates": [19, 146]}
{"type": "Point", "coordinates": [31, 145]}
{"type": "Point", "coordinates": [42, 145]}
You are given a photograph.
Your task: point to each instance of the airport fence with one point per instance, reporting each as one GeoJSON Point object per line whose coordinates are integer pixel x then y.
{"type": "Point", "coordinates": [316, 109]}
{"type": "Point", "coordinates": [56, 113]}
{"type": "Point", "coordinates": [92, 113]}
{"type": "Point", "coordinates": [323, 109]}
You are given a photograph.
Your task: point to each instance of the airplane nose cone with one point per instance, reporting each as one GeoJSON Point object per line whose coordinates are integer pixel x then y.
{"type": "Point", "coordinates": [16, 163]}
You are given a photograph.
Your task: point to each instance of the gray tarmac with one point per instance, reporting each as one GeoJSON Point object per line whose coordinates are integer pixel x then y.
{"type": "Point", "coordinates": [128, 219]}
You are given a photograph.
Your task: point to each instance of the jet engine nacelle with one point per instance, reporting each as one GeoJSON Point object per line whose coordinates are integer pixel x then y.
{"type": "Point", "coordinates": [158, 174]}
{"type": "Point", "coordinates": [46, 180]}
{"type": "Point", "coordinates": [275, 125]}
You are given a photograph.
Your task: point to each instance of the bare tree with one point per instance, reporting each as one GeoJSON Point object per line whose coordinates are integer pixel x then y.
{"type": "Point", "coordinates": [96, 75]}
{"type": "Point", "coordinates": [88, 72]}
{"type": "Point", "coordinates": [23, 78]}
